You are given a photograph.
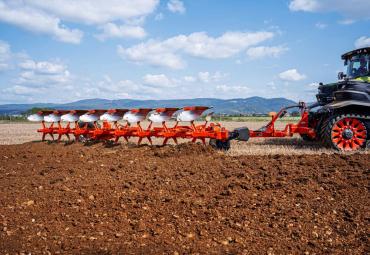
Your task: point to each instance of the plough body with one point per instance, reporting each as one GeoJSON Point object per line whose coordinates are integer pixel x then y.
{"type": "Point", "coordinates": [105, 125]}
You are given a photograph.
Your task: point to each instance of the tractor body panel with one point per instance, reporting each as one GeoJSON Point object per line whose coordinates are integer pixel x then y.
{"type": "Point", "coordinates": [342, 104]}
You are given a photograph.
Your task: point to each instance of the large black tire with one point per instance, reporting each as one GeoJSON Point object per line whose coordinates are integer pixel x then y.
{"type": "Point", "coordinates": [220, 145]}
{"type": "Point", "coordinates": [307, 138]}
{"type": "Point", "coordinates": [338, 140]}
{"type": "Point", "coordinates": [322, 128]}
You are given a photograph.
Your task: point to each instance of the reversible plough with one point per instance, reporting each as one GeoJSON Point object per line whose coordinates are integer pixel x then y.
{"type": "Point", "coordinates": [106, 125]}
{"type": "Point", "coordinates": [111, 125]}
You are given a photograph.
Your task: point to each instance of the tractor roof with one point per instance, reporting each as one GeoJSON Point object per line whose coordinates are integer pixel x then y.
{"type": "Point", "coordinates": [349, 54]}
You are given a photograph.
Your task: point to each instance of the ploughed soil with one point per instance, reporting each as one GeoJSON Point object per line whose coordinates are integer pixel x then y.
{"type": "Point", "coordinates": [75, 199]}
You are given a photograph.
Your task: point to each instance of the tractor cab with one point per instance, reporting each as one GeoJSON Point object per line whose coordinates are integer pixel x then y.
{"type": "Point", "coordinates": [358, 65]}
{"type": "Point", "coordinates": [352, 85]}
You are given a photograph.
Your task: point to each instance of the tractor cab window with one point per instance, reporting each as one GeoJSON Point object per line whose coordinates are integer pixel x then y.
{"type": "Point", "coordinates": [358, 66]}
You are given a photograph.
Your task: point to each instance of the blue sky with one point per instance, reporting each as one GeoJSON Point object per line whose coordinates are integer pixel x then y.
{"type": "Point", "coordinates": [65, 50]}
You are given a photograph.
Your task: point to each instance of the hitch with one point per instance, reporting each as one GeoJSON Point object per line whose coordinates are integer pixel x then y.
{"type": "Point", "coordinates": [240, 134]}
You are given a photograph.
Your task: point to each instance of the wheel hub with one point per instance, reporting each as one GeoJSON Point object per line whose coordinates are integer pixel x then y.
{"type": "Point", "coordinates": [347, 134]}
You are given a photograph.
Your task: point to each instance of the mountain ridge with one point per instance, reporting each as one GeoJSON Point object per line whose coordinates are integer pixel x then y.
{"type": "Point", "coordinates": [220, 106]}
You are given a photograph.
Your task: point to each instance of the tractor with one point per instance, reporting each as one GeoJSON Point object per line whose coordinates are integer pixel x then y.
{"type": "Point", "coordinates": [340, 118]}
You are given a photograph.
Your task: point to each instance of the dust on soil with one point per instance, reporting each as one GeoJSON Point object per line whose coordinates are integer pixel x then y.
{"type": "Point", "coordinates": [79, 199]}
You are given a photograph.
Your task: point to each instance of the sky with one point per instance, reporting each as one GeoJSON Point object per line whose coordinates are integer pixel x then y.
{"type": "Point", "coordinates": [64, 50]}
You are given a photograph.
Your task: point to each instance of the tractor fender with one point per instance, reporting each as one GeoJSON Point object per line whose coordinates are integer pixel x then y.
{"type": "Point", "coordinates": [341, 104]}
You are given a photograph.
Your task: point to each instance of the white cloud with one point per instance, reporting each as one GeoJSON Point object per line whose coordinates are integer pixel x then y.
{"type": "Point", "coordinates": [3, 66]}
{"type": "Point", "coordinates": [304, 5]}
{"type": "Point", "coordinates": [111, 30]}
{"type": "Point", "coordinates": [262, 51]}
{"type": "Point", "coordinates": [357, 9]}
{"type": "Point", "coordinates": [43, 73]}
{"type": "Point", "coordinates": [176, 6]}
{"type": "Point", "coordinates": [238, 91]}
{"type": "Point", "coordinates": [81, 88]}
{"type": "Point", "coordinates": [22, 90]}
{"type": "Point", "coordinates": [152, 54]}
{"type": "Point", "coordinates": [204, 77]}
{"type": "Point", "coordinates": [95, 11]}
{"type": "Point", "coordinates": [45, 17]}
{"type": "Point", "coordinates": [38, 21]}
{"type": "Point", "coordinates": [108, 88]}
{"type": "Point", "coordinates": [207, 77]}
{"type": "Point", "coordinates": [5, 54]}
{"type": "Point", "coordinates": [43, 67]}
{"type": "Point", "coordinates": [346, 21]}
{"type": "Point", "coordinates": [76, 90]}
{"type": "Point", "coordinates": [153, 86]}
{"type": "Point", "coordinates": [4, 50]}
{"type": "Point", "coordinates": [271, 85]}
{"type": "Point", "coordinates": [292, 75]}
{"type": "Point", "coordinates": [363, 41]}
{"type": "Point", "coordinates": [313, 84]}
{"type": "Point", "coordinates": [162, 81]}
{"type": "Point", "coordinates": [159, 81]}
{"type": "Point", "coordinates": [320, 25]}
{"type": "Point", "coordinates": [111, 89]}
{"type": "Point", "coordinates": [159, 16]}
{"type": "Point", "coordinates": [189, 78]}
{"type": "Point", "coordinates": [225, 46]}
{"type": "Point", "coordinates": [40, 81]}
{"type": "Point", "coordinates": [167, 53]}
{"type": "Point", "coordinates": [35, 79]}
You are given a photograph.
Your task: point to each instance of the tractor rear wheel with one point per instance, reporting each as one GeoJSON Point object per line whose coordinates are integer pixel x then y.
{"type": "Point", "coordinates": [345, 132]}
{"type": "Point", "coordinates": [307, 138]}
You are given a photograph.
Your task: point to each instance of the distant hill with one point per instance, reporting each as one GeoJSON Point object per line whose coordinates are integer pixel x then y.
{"type": "Point", "coordinates": [220, 106]}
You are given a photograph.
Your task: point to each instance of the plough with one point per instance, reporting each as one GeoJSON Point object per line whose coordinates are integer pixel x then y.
{"type": "Point", "coordinates": [105, 125]}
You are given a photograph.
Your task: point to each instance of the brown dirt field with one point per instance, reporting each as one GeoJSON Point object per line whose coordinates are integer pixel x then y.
{"type": "Point", "coordinates": [190, 199]}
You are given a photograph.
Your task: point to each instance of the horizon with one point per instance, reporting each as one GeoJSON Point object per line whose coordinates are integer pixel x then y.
{"type": "Point", "coordinates": [159, 50]}
{"type": "Point", "coordinates": [133, 99]}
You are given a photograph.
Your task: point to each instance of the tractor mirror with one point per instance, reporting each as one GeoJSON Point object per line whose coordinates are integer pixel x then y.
{"type": "Point", "coordinates": [341, 76]}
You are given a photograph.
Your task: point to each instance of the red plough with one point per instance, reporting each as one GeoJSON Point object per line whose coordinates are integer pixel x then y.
{"type": "Point", "coordinates": [104, 124]}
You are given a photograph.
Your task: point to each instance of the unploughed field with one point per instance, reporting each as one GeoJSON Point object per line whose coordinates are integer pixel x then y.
{"type": "Point", "coordinates": [58, 198]}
